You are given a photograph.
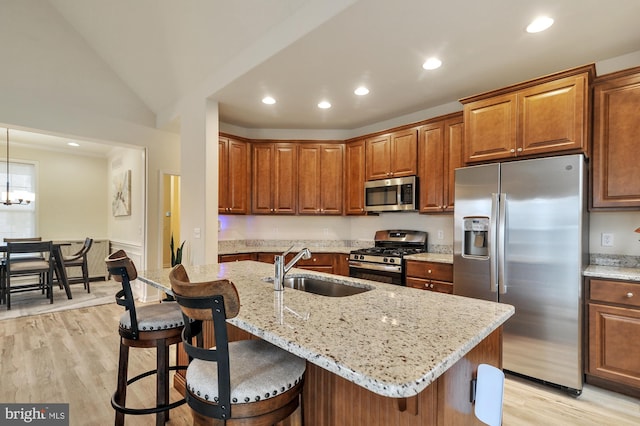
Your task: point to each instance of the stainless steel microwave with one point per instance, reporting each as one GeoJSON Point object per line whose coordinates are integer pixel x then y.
{"type": "Point", "coordinates": [391, 195]}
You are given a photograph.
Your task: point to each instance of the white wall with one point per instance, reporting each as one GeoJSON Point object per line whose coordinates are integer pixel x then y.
{"type": "Point", "coordinates": [127, 229]}
{"type": "Point", "coordinates": [52, 82]}
{"type": "Point", "coordinates": [71, 193]}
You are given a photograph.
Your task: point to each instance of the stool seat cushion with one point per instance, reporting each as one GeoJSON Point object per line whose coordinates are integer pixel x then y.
{"type": "Point", "coordinates": [259, 370]}
{"type": "Point", "coordinates": [154, 317]}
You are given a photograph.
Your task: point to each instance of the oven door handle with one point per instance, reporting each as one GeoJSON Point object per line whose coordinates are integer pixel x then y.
{"type": "Point", "coordinates": [375, 266]}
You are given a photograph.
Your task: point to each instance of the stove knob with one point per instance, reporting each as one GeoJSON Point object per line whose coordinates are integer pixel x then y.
{"type": "Point", "coordinates": [392, 260]}
{"type": "Point", "coordinates": [362, 257]}
{"type": "Point", "coordinates": [385, 260]}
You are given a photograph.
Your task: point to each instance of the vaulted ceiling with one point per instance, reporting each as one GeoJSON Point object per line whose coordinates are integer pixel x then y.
{"type": "Point", "coordinates": [303, 51]}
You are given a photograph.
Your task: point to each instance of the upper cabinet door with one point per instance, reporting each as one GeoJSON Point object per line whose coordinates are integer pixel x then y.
{"type": "Point", "coordinates": [378, 157]}
{"type": "Point", "coordinates": [453, 158]}
{"type": "Point", "coordinates": [553, 116]}
{"type": "Point", "coordinates": [431, 167]}
{"type": "Point", "coordinates": [404, 153]}
{"type": "Point", "coordinates": [263, 176]}
{"type": "Point", "coordinates": [616, 173]}
{"type": "Point", "coordinates": [233, 176]}
{"type": "Point", "coordinates": [331, 182]}
{"type": "Point", "coordinates": [490, 128]}
{"type": "Point", "coordinates": [355, 178]}
{"type": "Point", "coordinates": [285, 178]}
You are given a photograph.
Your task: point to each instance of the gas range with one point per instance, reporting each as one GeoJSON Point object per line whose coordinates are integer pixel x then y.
{"type": "Point", "coordinates": [384, 261]}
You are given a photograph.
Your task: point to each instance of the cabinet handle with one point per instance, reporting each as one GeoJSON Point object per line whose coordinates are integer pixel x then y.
{"type": "Point", "coordinates": [315, 260]}
{"type": "Point", "coordinates": [512, 150]}
{"type": "Point", "coordinates": [428, 271]}
{"type": "Point", "coordinates": [629, 295]}
{"type": "Point", "coordinates": [519, 149]}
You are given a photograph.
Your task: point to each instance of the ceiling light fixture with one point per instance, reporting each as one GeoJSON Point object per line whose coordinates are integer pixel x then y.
{"type": "Point", "coordinates": [432, 64]}
{"type": "Point", "coordinates": [73, 144]}
{"type": "Point", "coordinates": [539, 24]}
{"type": "Point", "coordinates": [17, 197]}
{"type": "Point", "coordinates": [361, 91]}
{"type": "Point", "coordinates": [268, 100]}
{"type": "Point", "coordinates": [324, 105]}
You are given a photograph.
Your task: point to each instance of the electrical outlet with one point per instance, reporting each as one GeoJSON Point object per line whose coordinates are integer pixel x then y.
{"type": "Point", "coordinates": [440, 234]}
{"type": "Point", "coordinates": [606, 240]}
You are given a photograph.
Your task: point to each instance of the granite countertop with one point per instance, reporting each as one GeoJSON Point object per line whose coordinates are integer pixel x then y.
{"type": "Point", "coordinates": [392, 340]}
{"type": "Point", "coordinates": [613, 272]}
{"type": "Point", "coordinates": [431, 257]}
{"type": "Point", "coordinates": [282, 249]}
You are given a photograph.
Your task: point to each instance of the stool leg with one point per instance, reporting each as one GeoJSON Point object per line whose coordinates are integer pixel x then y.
{"type": "Point", "coordinates": [121, 391]}
{"type": "Point", "coordinates": [162, 389]}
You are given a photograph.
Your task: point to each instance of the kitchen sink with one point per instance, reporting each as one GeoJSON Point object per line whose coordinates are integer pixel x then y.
{"type": "Point", "coordinates": [323, 287]}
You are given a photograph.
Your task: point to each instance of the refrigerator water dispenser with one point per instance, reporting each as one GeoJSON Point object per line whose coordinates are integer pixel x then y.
{"type": "Point", "coordinates": [476, 237]}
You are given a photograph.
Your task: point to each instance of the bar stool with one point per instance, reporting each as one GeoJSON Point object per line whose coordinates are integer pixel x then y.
{"type": "Point", "coordinates": [150, 326]}
{"type": "Point", "coordinates": [248, 382]}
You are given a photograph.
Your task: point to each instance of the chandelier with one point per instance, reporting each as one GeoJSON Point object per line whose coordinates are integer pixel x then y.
{"type": "Point", "coordinates": [10, 198]}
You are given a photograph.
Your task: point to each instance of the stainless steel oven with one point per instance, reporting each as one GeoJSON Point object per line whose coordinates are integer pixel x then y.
{"type": "Point", "coordinates": [384, 262]}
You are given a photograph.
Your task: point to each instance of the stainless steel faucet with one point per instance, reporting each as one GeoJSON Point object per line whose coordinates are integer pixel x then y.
{"type": "Point", "coordinates": [282, 269]}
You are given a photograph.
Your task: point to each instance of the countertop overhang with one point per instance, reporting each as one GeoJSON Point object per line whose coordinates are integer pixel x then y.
{"type": "Point", "coordinates": [393, 340]}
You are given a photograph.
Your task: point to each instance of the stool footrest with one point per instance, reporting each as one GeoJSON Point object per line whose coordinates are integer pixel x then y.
{"type": "Point", "coordinates": [150, 410]}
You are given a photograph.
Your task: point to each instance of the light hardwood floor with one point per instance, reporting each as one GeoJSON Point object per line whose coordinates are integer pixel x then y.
{"type": "Point", "coordinates": [71, 357]}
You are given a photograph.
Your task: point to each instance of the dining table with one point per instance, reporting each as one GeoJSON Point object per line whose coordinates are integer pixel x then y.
{"type": "Point", "coordinates": [58, 259]}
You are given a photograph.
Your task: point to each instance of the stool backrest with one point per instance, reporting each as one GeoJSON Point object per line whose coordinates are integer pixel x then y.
{"type": "Point", "coordinates": [207, 301]}
{"type": "Point", "coordinates": [123, 270]}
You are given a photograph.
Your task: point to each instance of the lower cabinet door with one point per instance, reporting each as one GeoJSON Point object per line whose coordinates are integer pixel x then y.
{"type": "Point", "coordinates": [613, 343]}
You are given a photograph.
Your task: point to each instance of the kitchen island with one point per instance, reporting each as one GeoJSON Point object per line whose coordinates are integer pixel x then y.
{"type": "Point", "coordinates": [391, 355]}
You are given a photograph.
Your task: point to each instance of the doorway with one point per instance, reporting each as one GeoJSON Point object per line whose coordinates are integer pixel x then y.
{"type": "Point", "coordinates": [171, 215]}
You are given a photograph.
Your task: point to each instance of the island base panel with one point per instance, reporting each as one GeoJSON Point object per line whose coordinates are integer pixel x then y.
{"type": "Point", "coordinates": [330, 400]}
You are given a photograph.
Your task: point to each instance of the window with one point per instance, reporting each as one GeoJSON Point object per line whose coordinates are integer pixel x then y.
{"type": "Point", "coordinates": [18, 221]}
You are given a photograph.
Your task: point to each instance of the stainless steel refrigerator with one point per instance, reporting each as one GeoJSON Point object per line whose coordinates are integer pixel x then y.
{"type": "Point", "coordinates": [521, 237]}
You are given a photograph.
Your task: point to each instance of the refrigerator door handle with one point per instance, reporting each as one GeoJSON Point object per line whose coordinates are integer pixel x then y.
{"type": "Point", "coordinates": [502, 236]}
{"type": "Point", "coordinates": [493, 249]}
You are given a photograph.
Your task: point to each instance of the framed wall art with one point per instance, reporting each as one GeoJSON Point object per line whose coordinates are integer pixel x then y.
{"type": "Point", "coordinates": [121, 203]}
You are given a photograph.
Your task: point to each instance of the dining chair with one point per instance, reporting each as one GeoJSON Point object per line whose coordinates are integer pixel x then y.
{"type": "Point", "coordinates": [26, 259]}
{"type": "Point", "coordinates": [157, 325]}
{"type": "Point", "coordinates": [79, 260]}
{"type": "Point", "coordinates": [247, 382]}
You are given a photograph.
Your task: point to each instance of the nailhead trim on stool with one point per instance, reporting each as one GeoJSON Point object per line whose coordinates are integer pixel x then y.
{"type": "Point", "coordinates": [259, 371]}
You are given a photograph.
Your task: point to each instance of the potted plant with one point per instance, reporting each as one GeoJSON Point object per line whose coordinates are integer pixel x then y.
{"type": "Point", "coordinates": [176, 255]}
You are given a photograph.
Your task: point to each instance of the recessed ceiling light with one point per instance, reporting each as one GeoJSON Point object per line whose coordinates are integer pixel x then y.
{"type": "Point", "coordinates": [432, 64]}
{"type": "Point", "coordinates": [268, 100]}
{"type": "Point", "coordinates": [324, 105]}
{"type": "Point", "coordinates": [361, 91]}
{"type": "Point", "coordinates": [73, 144]}
{"type": "Point", "coordinates": [541, 23]}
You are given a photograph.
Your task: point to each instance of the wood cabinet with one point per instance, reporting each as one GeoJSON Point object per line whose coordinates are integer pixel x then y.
{"type": "Point", "coordinates": [320, 262]}
{"type": "Point", "coordinates": [354, 178]}
{"type": "Point", "coordinates": [433, 276]}
{"type": "Point", "coordinates": [236, 257]}
{"type": "Point", "coordinates": [275, 177]}
{"type": "Point", "coordinates": [616, 115]}
{"type": "Point", "coordinates": [613, 327]}
{"type": "Point", "coordinates": [538, 117]}
{"type": "Point", "coordinates": [233, 176]}
{"type": "Point", "coordinates": [319, 180]}
{"type": "Point", "coordinates": [440, 147]}
{"type": "Point", "coordinates": [392, 155]}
